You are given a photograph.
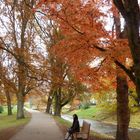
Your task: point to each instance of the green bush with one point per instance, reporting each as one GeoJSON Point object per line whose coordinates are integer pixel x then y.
{"type": "Point", "coordinates": [1, 109]}
{"type": "Point", "coordinates": [84, 106]}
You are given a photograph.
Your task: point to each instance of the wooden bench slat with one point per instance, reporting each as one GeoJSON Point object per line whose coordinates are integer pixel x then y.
{"type": "Point", "coordinates": [84, 133]}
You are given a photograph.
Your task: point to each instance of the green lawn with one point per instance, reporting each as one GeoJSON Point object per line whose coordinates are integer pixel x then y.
{"type": "Point", "coordinates": [86, 113]}
{"type": "Point", "coordinates": [11, 121]}
{"type": "Point", "coordinates": [4, 113]}
{"type": "Point", "coordinates": [93, 112]}
{"type": "Point", "coordinates": [62, 121]}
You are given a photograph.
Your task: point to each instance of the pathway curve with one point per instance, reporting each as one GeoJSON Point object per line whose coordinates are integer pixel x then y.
{"type": "Point", "coordinates": [41, 127]}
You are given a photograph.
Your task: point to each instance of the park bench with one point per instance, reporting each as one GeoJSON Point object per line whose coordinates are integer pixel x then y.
{"type": "Point", "coordinates": [84, 132]}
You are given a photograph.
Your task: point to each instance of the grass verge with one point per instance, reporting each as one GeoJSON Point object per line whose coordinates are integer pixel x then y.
{"type": "Point", "coordinates": [10, 121]}
{"type": "Point", "coordinates": [9, 125]}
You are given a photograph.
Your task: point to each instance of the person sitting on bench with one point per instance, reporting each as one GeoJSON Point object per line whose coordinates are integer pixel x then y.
{"type": "Point", "coordinates": [74, 128]}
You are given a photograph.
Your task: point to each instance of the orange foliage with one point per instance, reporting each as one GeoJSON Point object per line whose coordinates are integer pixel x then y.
{"type": "Point", "coordinates": [85, 40]}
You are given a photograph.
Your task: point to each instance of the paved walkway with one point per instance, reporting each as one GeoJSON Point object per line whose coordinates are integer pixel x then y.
{"type": "Point", "coordinates": [41, 127]}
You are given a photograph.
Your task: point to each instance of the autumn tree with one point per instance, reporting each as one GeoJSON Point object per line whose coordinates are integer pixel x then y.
{"type": "Point", "coordinates": [86, 39]}
{"type": "Point", "coordinates": [19, 41]}
{"type": "Point", "coordinates": [73, 18]}
{"type": "Point", "coordinates": [7, 89]}
{"type": "Point", "coordinates": [81, 46]}
{"type": "Point", "coordinates": [63, 88]}
{"type": "Point", "coordinates": [7, 80]}
{"type": "Point", "coordinates": [130, 12]}
{"type": "Point", "coordinates": [61, 91]}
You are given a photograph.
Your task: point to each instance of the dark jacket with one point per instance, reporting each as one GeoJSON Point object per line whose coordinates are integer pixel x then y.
{"type": "Point", "coordinates": [75, 126]}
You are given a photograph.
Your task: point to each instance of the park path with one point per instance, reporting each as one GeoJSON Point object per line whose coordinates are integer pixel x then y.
{"type": "Point", "coordinates": [41, 127]}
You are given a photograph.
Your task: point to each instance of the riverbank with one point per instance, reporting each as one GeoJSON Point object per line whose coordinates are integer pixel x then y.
{"type": "Point", "coordinates": [99, 114]}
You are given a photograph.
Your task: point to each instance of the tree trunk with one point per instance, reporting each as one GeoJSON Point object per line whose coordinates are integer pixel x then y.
{"type": "Point", "coordinates": [134, 41]}
{"type": "Point", "coordinates": [130, 11]}
{"type": "Point", "coordinates": [21, 89]}
{"type": "Point", "coordinates": [49, 102]}
{"type": "Point", "coordinates": [123, 113]}
{"type": "Point", "coordinates": [138, 86]}
{"type": "Point", "coordinates": [135, 49]}
{"type": "Point", "coordinates": [9, 107]}
{"type": "Point", "coordinates": [20, 106]}
{"type": "Point", "coordinates": [57, 110]}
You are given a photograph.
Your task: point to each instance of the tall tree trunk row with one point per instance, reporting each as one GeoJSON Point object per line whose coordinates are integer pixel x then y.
{"type": "Point", "coordinates": [9, 106]}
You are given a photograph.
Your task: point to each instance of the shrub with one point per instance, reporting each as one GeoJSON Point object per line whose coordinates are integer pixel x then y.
{"type": "Point", "coordinates": [84, 106]}
{"type": "Point", "coordinates": [1, 109]}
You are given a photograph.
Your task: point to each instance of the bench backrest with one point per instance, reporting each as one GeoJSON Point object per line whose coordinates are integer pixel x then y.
{"type": "Point", "coordinates": [86, 127]}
